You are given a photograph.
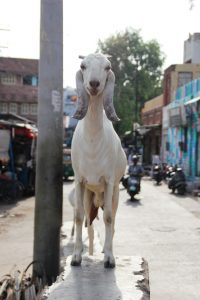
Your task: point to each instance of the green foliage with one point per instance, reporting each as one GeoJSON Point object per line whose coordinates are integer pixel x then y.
{"type": "Point", "coordinates": [138, 70]}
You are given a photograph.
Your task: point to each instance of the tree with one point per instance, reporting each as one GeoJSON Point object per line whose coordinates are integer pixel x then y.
{"type": "Point", "coordinates": [138, 69]}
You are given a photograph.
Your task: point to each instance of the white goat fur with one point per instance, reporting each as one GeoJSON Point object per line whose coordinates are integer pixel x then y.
{"type": "Point", "coordinates": [98, 159]}
{"type": "Point", "coordinates": [71, 199]}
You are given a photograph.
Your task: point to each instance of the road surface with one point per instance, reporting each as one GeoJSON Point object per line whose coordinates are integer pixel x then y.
{"type": "Point", "coordinates": [161, 227]}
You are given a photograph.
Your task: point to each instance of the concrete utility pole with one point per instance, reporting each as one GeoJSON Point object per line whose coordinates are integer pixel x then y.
{"type": "Point", "coordinates": [48, 206]}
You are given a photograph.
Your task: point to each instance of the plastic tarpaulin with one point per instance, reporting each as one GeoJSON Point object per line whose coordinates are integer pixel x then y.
{"type": "Point", "coordinates": [4, 144]}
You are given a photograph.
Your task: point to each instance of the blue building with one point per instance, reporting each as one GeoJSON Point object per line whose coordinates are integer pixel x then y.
{"type": "Point", "coordinates": [69, 107]}
{"type": "Point", "coordinates": [181, 124]}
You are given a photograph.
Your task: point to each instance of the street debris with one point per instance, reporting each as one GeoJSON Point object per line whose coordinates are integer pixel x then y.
{"type": "Point", "coordinates": [20, 286]}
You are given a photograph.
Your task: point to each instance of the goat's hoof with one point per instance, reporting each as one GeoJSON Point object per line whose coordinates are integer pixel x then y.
{"type": "Point", "coordinates": [109, 265]}
{"type": "Point", "coordinates": [75, 263]}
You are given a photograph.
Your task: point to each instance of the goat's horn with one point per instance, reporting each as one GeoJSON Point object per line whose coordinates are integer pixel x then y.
{"type": "Point", "coordinates": [108, 98]}
{"type": "Point", "coordinates": [82, 102]}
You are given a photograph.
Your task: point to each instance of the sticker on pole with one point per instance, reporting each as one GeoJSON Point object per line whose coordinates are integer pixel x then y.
{"type": "Point", "coordinates": [56, 100]}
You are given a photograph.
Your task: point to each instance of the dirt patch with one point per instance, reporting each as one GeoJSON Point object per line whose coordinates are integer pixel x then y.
{"type": "Point", "coordinates": [196, 214]}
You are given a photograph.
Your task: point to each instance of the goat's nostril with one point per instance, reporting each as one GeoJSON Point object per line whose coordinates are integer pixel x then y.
{"type": "Point", "coordinates": [94, 83]}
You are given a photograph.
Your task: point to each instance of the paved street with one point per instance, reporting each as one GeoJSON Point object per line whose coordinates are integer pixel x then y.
{"type": "Point", "coordinates": [165, 230]}
{"type": "Point", "coordinates": [162, 228]}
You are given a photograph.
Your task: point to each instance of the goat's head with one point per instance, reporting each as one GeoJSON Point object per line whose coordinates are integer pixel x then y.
{"type": "Point", "coordinates": [93, 79]}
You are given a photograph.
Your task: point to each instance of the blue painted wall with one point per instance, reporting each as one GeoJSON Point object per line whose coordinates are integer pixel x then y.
{"type": "Point", "coordinates": [187, 158]}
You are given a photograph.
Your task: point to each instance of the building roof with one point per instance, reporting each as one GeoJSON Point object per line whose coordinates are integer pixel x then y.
{"type": "Point", "coordinates": [154, 103]}
{"type": "Point", "coordinates": [19, 66]}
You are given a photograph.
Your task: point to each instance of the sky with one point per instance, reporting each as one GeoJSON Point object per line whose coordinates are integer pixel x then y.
{"type": "Point", "coordinates": [85, 22]}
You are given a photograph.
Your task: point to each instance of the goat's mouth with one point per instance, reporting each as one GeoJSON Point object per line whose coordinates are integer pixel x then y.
{"type": "Point", "coordinates": [92, 92]}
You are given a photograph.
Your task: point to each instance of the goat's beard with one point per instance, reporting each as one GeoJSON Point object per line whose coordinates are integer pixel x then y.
{"type": "Point", "coordinates": [93, 92]}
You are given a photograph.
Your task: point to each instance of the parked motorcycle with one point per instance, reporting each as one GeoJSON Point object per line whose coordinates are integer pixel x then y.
{"type": "Point", "coordinates": [10, 189]}
{"type": "Point", "coordinates": [178, 182]}
{"type": "Point", "coordinates": [157, 174]}
{"type": "Point", "coordinates": [169, 173]}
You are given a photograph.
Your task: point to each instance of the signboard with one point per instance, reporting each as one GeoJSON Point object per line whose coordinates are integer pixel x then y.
{"type": "Point", "coordinates": [165, 116]}
{"type": "Point", "coordinates": [175, 119]}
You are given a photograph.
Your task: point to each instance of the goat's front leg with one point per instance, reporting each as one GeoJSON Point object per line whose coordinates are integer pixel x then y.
{"type": "Point", "coordinates": [109, 260]}
{"type": "Point", "coordinates": [79, 216]}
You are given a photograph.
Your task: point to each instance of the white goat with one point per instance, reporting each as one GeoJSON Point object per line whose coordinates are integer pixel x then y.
{"type": "Point", "coordinates": [98, 159]}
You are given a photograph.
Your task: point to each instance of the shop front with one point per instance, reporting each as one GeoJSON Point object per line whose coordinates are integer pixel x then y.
{"type": "Point", "coordinates": [181, 140]}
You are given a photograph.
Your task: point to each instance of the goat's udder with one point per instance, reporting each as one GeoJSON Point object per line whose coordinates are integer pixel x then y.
{"type": "Point", "coordinates": [93, 212]}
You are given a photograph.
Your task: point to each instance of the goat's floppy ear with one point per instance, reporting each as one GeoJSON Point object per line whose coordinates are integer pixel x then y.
{"type": "Point", "coordinates": [82, 102]}
{"type": "Point", "coordinates": [108, 98]}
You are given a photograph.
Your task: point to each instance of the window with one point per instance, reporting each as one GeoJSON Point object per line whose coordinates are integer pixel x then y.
{"type": "Point", "coordinates": [30, 80]}
{"type": "Point", "coordinates": [8, 79]}
{"type": "Point", "coordinates": [184, 77]}
{"type": "Point", "coordinates": [24, 108]}
{"type": "Point", "coordinates": [27, 80]}
{"type": "Point", "coordinates": [13, 108]}
{"type": "Point", "coordinates": [4, 108]}
{"type": "Point", "coordinates": [33, 109]}
{"type": "Point", "coordinates": [35, 81]}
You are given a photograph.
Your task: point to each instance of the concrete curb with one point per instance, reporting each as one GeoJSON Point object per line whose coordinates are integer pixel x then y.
{"type": "Point", "coordinates": [91, 281]}
{"type": "Point", "coordinates": [128, 281]}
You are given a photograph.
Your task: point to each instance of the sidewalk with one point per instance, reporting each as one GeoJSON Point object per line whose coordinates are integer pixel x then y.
{"type": "Point", "coordinates": [91, 281]}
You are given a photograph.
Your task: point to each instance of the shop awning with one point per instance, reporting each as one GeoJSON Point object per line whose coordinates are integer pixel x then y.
{"type": "Point", "coordinates": [194, 100]}
{"type": "Point", "coordinates": [143, 129]}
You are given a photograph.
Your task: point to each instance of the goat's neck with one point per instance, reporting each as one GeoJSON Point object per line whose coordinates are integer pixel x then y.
{"type": "Point", "coordinates": [94, 119]}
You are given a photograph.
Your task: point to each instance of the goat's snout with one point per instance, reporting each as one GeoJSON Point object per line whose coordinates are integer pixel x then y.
{"type": "Point", "coordinates": [94, 84]}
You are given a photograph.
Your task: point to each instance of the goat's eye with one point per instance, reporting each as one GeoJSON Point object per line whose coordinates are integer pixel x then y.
{"type": "Point", "coordinates": [83, 67]}
{"type": "Point", "coordinates": [107, 68]}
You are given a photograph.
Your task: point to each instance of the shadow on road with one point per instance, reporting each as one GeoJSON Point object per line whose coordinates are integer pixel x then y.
{"type": "Point", "coordinates": [6, 206]}
{"type": "Point", "coordinates": [134, 203]}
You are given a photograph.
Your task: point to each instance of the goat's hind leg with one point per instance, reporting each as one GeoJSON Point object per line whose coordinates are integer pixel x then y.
{"type": "Point", "coordinates": [88, 202]}
{"type": "Point", "coordinates": [109, 260]}
{"type": "Point", "coordinates": [79, 216]}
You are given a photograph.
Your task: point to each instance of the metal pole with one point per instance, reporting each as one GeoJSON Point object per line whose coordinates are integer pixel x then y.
{"type": "Point", "coordinates": [48, 206]}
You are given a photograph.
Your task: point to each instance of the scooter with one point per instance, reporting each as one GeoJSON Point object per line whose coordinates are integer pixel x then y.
{"type": "Point", "coordinates": [178, 182]}
{"type": "Point", "coordinates": [157, 174]}
{"type": "Point", "coordinates": [133, 186]}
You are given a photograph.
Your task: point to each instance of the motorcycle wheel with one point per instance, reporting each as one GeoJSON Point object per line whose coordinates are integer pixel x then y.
{"type": "Point", "coordinates": [181, 192]}
{"type": "Point", "coordinates": [133, 197]}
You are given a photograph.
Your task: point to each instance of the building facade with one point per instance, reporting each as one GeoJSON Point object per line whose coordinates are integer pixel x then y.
{"type": "Point", "coordinates": [151, 116]}
{"type": "Point", "coordinates": [192, 49]}
{"type": "Point", "coordinates": [19, 87]}
{"type": "Point", "coordinates": [181, 131]}
{"type": "Point", "coordinates": [176, 76]}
